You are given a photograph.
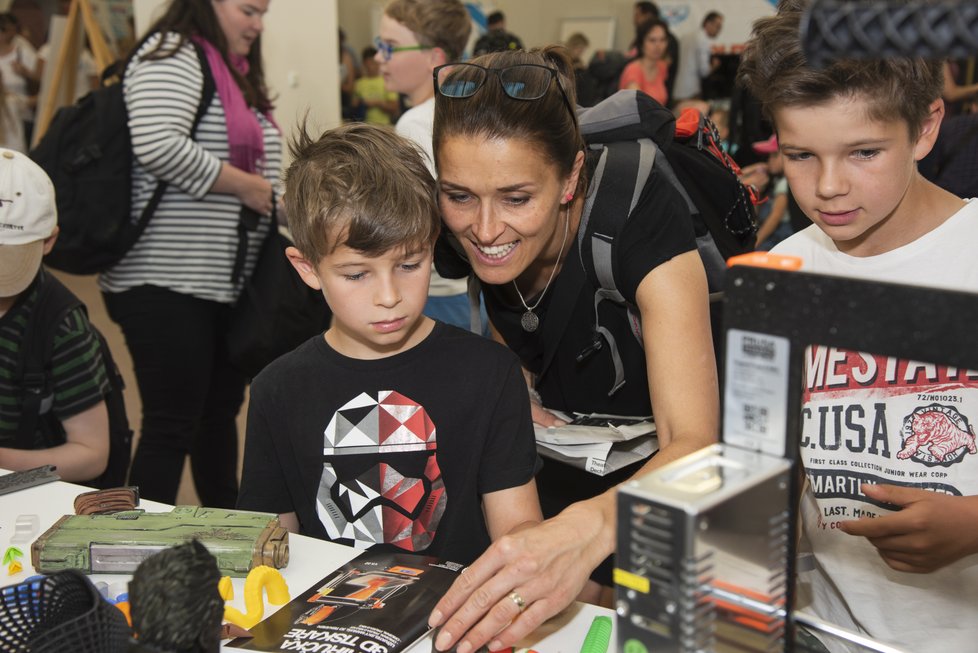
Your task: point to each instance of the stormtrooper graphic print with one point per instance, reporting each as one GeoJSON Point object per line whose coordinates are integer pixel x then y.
{"type": "Point", "coordinates": [381, 482]}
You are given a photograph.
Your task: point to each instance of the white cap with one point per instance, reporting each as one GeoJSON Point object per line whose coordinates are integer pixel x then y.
{"type": "Point", "coordinates": [28, 215]}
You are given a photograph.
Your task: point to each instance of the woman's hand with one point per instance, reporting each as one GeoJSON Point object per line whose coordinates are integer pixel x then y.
{"type": "Point", "coordinates": [252, 189]}
{"type": "Point", "coordinates": [256, 194]}
{"type": "Point", "coordinates": [545, 565]}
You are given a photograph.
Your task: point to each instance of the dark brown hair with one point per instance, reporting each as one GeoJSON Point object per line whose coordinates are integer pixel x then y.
{"type": "Point", "coordinates": [196, 18]}
{"type": "Point", "coordinates": [774, 68]}
{"type": "Point", "coordinates": [710, 16]}
{"type": "Point", "coordinates": [490, 113]}
{"type": "Point", "coordinates": [643, 30]}
{"type": "Point", "coordinates": [362, 186]}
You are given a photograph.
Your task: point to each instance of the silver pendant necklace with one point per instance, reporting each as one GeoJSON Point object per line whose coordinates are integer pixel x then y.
{"type": "Point", "coordinates": [530, 321]}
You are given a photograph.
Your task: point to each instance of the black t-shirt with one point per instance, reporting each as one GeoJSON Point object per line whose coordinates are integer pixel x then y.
{"type": "Point", "coordinates": [659, 230]}
{"type": "Point", "coordinates": [393, 453]}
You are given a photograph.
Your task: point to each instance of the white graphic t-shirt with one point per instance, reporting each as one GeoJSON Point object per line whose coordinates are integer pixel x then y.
{"type": "Point", "coordinates": [875, 419]}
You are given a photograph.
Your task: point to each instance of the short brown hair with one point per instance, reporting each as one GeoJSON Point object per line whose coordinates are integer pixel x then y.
{"type": "Point", "coordinates": [362, 186]}
{"type": "Point", "coordinates": [442, 24]}
{"type": "Point", "coordinates": [774, 68]}
{"type": "Point", "coordinates": [576, 40]}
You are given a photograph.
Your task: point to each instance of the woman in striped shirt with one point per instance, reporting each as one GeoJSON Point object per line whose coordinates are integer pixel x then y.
{"type": "Point", "coordinates": [172, 293]}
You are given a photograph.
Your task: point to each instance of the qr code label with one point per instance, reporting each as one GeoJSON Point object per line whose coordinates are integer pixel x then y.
{"type": "Point", "coordinates": [756, 419]}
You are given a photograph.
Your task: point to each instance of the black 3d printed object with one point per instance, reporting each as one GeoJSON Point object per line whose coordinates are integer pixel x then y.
{"type": "Point", "coordinates": [58, 613]}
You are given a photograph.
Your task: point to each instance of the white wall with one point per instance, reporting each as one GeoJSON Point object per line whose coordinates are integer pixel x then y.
{"type": "Point", "coordinates": [301, 45]}
{"type": "Point", "coordinates": [537, 22]}
{"type": "Point", "coordinates": [738, 17]}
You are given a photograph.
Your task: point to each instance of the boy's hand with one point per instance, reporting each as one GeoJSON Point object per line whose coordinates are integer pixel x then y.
{"type": "Point", "coordinates": [543, 417]}
{"type": "Point", "coordinates": [540, 415]}
{"type": "Point", "coordinates": [932, 531]}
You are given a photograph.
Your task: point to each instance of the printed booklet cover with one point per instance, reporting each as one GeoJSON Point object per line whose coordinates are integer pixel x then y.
{"type": "Point", "coordinates": [376, 602]}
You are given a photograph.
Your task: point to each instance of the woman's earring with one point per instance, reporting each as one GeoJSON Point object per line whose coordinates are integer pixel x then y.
{"type": "Point", "coordinates": [568, 197]}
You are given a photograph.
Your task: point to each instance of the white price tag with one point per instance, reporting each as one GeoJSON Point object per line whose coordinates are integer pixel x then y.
{"type": "Point", "coordinates": [755, 400]}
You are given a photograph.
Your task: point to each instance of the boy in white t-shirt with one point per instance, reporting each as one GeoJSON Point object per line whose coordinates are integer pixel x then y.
{"type": "Point", "coordinates": [888, 445]}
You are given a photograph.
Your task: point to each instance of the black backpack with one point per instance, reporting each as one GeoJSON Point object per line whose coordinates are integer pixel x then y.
{"type": "Point", "coordinates": [87, 153]}
{"type": "Point", "coordinates": [630, 136]}
{"type": "Point", "coordinates": [34, 377]}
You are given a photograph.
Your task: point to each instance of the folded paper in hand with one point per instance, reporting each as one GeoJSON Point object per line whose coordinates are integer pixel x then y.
{"type": "Point", "coordinates": [597, 443]}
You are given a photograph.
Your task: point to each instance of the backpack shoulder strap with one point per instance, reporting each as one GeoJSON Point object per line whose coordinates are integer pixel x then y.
{"type": "Point", "coordinates": [628, 136]}
{"type": "Point", "coordinates": [620, 174]}
{"type": "Point", "coordinates": [209, 88]}
{"type": "Point", "coordinates": [54, 302]}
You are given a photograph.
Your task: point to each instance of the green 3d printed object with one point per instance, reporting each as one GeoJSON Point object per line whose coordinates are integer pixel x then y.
{"type": "Point", "coordinates": [117, 543]}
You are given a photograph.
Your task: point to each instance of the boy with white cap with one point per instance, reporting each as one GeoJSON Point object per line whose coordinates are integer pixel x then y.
{"type": "Point", "coordinates": [79, 381]}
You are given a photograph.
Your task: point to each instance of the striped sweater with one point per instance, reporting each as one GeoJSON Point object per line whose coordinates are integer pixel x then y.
{"type": "Point", "coordinates": [190, 243]}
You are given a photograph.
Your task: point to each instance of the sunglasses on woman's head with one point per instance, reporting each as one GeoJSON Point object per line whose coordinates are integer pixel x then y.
{"type": "Point", "coordinates": [524, 81]}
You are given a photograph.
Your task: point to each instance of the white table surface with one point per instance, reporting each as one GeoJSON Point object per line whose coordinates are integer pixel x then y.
{"type": "Point", "coordinates": [310, 560]}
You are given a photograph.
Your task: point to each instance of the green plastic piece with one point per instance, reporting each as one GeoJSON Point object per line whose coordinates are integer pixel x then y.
{"type": "Point", "coordinates": [117, 543]}
{"type": "Point", "coordinates": [634, 646]}
{"type": "Point", "coordinates": [598, 636]}
{"type": "Point", "coordinates": [11, 554]}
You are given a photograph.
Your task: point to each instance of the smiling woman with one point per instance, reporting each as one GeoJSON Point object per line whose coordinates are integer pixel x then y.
{"type": "Point", "coordinates": [241, 22]}
{"type": "Point", "coordinates": [173, 292]}
{"type": "Point", "coordinates": [649, 72]}
{"type": "Point", "coordinates": [512, 181]}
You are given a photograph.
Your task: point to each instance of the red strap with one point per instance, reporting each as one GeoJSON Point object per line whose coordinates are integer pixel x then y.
{"type": "Point", "coordinates": [688, 122]}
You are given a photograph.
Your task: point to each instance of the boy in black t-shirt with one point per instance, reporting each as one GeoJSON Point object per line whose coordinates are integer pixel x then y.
{"type": "Point", "coordinates": [78, 377]}
{"type": "Point", "coordinates": [390, 429]}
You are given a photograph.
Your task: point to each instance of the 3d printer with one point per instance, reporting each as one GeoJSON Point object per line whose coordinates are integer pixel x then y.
{"type": "Point", "coordinates": [707, 544]}
{"type": "Point", "coordinates": [358, 590]}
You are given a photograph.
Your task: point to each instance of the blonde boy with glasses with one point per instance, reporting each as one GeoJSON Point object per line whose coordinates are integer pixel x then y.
{"type": "Point", "coordinates": [415, 37]}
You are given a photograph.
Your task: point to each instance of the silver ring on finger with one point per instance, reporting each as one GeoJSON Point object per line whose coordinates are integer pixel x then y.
{"type": "Point", "coordinates": [518, 600]}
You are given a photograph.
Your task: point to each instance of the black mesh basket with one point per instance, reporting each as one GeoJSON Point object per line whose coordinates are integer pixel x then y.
{"type": "Point", "coordinates": [60, 613]}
